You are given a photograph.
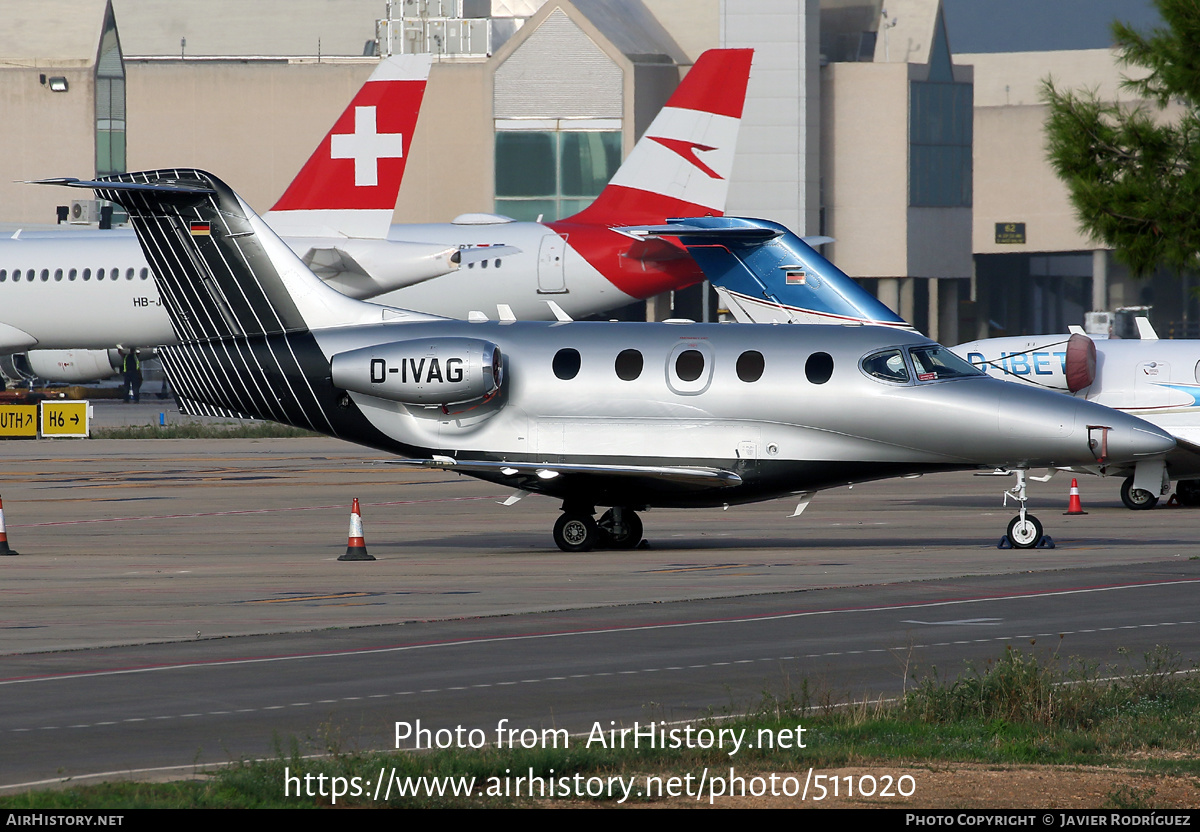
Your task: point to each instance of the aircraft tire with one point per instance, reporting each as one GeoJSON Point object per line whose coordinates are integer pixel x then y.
{"type": "Point", "coordinates": [576, 532]}
{"type": "Point", "coordinates": [1024, 534]}
{"type": "Point", "coordinates": [1188, 492]}
{"type": "Point", "coordinates": [633, 530]}
{"type": "Point", "coordinates": [1136, 498]}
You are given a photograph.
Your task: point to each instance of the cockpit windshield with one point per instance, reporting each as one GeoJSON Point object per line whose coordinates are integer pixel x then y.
{"type": "Point", "coordinates": [936, 363]}
{"type": "Point", "coordinates": [931, 363]}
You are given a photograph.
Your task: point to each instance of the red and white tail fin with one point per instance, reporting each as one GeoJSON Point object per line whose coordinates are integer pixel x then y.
{"type": "Point", "coordinates": [681, 166]}
{"type": "Point", "coordinates": [348, 187]}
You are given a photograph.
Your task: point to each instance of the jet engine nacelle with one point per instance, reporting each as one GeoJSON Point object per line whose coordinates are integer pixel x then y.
{"type": "Point", "coordinates": [428, 371]}
{"type": "Point", "coordinates": [1049, 361]}
{"type": "Point", "coordinates": [70, 366]}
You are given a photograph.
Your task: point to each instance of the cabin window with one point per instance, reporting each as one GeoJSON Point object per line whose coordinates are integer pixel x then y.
{"type": "Point", "coordinates": [57, 275]}
{"type": "Point", "coordinates": [567, 363]}
{"type": "Point", "coordinates": [29, 274]}
{"type": "Point", "coordinates": [3, 275]}
{"type": "Point", "coordinates": [750, 365]}
{"type": "Point", "coordinates": [129, 274]}
{"type": "Point", "coordinates": [888, 365]}
{"type": "Point", "coordinates": [629, 365]}
{"type": "Point", "coordinates": [819, 367]}
{"type": "Point", "coordinates": [45, 275]}
{"type": "Point", "coordinates": [145, 273]}
{"type": "Point", "coordinates": [689, 365]}
{"type": "Point", "coordinates": [71, 274]}
{"type": "Point", "coordinates": [87, 274]}
{"type": "Point", "coordinates": [99, 274]}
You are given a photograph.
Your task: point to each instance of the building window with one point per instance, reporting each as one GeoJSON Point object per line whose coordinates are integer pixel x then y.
{"type": "Point", "coordinates": [552, 174]}
{"type": "Point", "coordinates": [110, 103]}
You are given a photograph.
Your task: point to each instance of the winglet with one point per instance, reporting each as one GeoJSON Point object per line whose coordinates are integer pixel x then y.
{"type": "Point", "coordinates": [767, 274]}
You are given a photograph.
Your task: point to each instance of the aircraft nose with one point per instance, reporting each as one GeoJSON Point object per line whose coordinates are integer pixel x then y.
{"type": "Point", "coordinates": [1132, 439]}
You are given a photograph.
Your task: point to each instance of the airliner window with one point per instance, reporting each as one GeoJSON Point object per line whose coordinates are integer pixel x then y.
{"type": "Point", "coordinates": [938, 363]}
{"type": "Point", "coordinates": [87, 274]}
{"type": "Point", "coordinates": [3, 275]}
{"type": "Point", "coordinates": [71, 274]}
{"type": "Point", "coordinates": [629, 365]}
{"type": "Point", "coordinates": [129, 274]}
{"type": "Point", "coordinates": [45, 274]}
{"type": "Point", "coordinates": [689, 365]}
{"type": "Point", "coordinates": [888, 366]}
{"type": "Point", "coordinates": [750, 365]}
{"type": "Point", "coordinates": [819, 367]}
{"type": "Point", "coordinates": [566, 363]}
{"type": "Point", "coordinates": [145, 273]}
{"type": "Point", "coordinates": [29, 273]}
{"type": "Point", "coordinates": [99, 274]}
{"type": "Point", "coordinates": [57, 275]}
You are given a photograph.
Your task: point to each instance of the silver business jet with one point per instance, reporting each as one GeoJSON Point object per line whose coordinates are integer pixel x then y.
{"type": "Point", "coordinates": [624, 416]}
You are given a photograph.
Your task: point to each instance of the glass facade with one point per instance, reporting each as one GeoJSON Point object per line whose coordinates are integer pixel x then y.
{"type": "Point", "coordinates": [552, 174]}
{"type": "Point", "coordinates": [941, 114]}
{"type": "Point", "coordinates": [940, 119]}
{"type": "Point", "coordinates": [110, 102]}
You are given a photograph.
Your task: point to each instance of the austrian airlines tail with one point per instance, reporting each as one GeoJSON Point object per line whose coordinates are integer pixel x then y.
{"type": "Point", "coordinates": [681, 166]}
{"type": "Point", "coordinates": [349, 186]}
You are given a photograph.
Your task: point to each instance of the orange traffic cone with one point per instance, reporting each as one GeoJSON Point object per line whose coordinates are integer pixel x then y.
{"type": "Point", "coordinates": [4, 549]}
{"type": "Point", "coordinates": [356, 546]}
{"type": "Point", "coordinates": [1073, 505]}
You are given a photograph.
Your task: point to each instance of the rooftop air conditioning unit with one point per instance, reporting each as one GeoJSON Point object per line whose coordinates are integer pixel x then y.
{"type": "Point", "coordinates": [84, 211]}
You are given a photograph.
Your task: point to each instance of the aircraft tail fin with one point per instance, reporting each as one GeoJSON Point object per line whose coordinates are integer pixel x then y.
{"type": "Point", "coordinates": [682, 165]}
{"type": "Point", "coordinates": [242, 304]}
{"type": "Point", "coordinates": [772, 275]}
{"type": "Point", "coordinates": [349, 186]}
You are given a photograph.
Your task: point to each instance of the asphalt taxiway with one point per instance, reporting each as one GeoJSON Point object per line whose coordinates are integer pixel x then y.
{"type": "Point", "coordinates": [179, 601]}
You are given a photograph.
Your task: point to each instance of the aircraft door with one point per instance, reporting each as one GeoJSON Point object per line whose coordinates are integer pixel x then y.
{"type": "Point", "coordinates": [551, 278]}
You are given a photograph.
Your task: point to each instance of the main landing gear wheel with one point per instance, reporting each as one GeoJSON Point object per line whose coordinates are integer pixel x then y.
{"type": "Point", "coordinates": [1188, 492]}
{"type": "Point", "coordinates": [576, 532]}
{"type": "Point", "coordinates": [1137, 498]}
{"type": "Point", "coordinates": [630, 536]}
{"type": "Point", "coordinates": [1024, 532]}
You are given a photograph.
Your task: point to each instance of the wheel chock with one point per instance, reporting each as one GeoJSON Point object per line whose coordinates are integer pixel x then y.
{"type": "Point", "coordinates": [1047, 542]}
{"type": "Point", "coordinates": [1004, 543]}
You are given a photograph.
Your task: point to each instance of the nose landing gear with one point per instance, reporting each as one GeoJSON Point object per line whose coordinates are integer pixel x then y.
{"type": "Point", "coordinates": [1024, 530]}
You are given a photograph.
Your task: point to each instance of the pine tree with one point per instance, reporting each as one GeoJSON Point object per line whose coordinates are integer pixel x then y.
{"type": "Point", "coordinates": [1133, 172]}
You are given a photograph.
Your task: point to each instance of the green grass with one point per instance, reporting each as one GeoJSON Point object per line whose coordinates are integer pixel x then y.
{"type": "Point", "coordinates": [1024, 707]}
{"type": "Point", "coordinates": [197, 430]}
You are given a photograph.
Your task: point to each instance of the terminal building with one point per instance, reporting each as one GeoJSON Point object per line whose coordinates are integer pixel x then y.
{"type": "Point", "coordinates": [862, 123]}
